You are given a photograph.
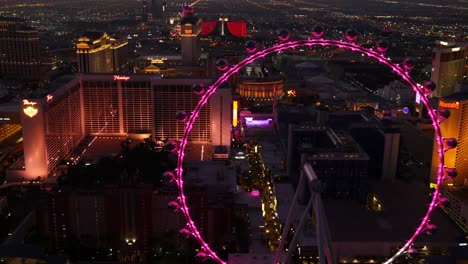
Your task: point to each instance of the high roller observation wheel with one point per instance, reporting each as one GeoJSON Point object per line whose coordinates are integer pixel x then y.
{"type": "Point", "coordinates": [191, 230]}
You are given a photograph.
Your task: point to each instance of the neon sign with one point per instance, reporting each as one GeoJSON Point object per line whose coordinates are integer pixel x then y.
{"type": "Point", "coordinates": [222, 156]}
{"type": "Point", "coordinates": [255, 193]}
{"type": "Point", "coordinates": [49, 97]}
{"type": "Point", "coordinates": [30, 108]}
{"type": "Point", "coordinates": [455, 105]}
{"type": "Point", "coordinates": [235, 106]}
{"type": "Point", "coordinates": [121, 78]}
{"type": "Point", "coordinates": [291, 93]}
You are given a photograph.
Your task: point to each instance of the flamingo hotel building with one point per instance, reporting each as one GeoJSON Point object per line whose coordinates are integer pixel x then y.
{"type": "Point", "coordinates": [57, 119]}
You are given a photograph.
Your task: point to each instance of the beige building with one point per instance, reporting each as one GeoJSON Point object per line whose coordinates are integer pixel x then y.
{"type": "Point", "coordinates": [19, 50]}
{"type": "Point", "coordinates": [260, 89]}
{"type": "Point", "coordinates": [98, 52]}
{"type": "Point", "coordinates": [190, 31]}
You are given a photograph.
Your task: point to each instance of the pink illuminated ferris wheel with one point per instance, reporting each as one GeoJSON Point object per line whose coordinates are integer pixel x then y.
{"type": "Point", "coordinates": [378, 53]}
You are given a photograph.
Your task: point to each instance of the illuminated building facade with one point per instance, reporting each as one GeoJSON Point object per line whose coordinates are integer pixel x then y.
{"type": "Point", "coordinates": [190, 31]}
{"type": "Point", "coordinates": [456, 126]}
{"type": "Point", "coordinates": [168, 100]}
{"type": "Point", "coordinates": [261, 89]}
{"type": "Point", "coordinates": [10, 122]}
{"type": "Point", "coordinates": [456, 189]}
{"type": "Point", "coordinates": [98, 52]}
{"type": "Point", "coordinates": [19, 50]}
{"type": "Point", "coordinates": [458, 207]}
{"type": "Point", "coordinates": [57, 119]}
{"type": "Point", "coordinates": [52, 127]}
{"type": "Point", "coordinates": [448, 67]}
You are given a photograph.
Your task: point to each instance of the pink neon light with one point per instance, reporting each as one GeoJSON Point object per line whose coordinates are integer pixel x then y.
{"type": "Point", "coordinates": [255, 193]}
{"type": "Point", "coordinates": [284, 35]}
{"type": "Point", "coordinates": [222, 64]}
{"type": "Point", "coordinates": [251, 46]}
{"type": "Point", "coordinates": [317, 31]}
{"type": "Point", "coordinates": [121, 78]}
{"type": "Point", "coordinates": [400, 70]}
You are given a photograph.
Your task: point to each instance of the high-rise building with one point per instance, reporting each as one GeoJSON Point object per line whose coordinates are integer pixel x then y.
{"type": "Point", "coordinates": [190, 31]}
{"type": "Point", "coordinates": [456, 126]}
{"type": "Point", "coordinates": [448, 66]}
{"type": "Point", "coordinates": [57, 118]}
{"type": "Point", "coordinates": [98, 52]}
{"type": "Point", "coordinates": [19, 50]}
{"type": "Point", "coordinates": [379, 139]}
{"type": "Point", "coordinates": [157, 9]}
{"type": "Point", "coordinates": [221, 116]}
{"type": "Point", "coordinates": [340, 162]}
{"type": "Point", "coordinates": [129, 217]}
{"type": "Point", "coordinates": [144, 11]}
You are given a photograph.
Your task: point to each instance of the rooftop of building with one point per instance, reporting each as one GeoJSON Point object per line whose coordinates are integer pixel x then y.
{"type": "Point", "coordinates": [319, 79]}
{"type": "Point", "coordinates": [404, 205]}
{"type": "Point", "coordinates": [251, 258]}
{"type": "Point", "coordinates": [449, 44]}
{"type": "Point", "coordinates": [275, 79]}
{"type": "Point", "coordinates": [345, 119]}
{"type": "Point", "coordinates": [319, 141]}
{"type": "Point", "coordinates": [216, 175]}
{"type": "Point", "coordinates": [10, 107]}
{"type": "Point", "coordinates": [64, 80]}
{"type": "Point", "coordinates": [51, 87]}
{"type": "Point", "coordinates": [460, 193]}
{"type": "Point", "coordinates": [101, 147]}
{"type": "Point", "coordinates": [307, 65]}
{"type": "Point", "coordinates": [189, 19]}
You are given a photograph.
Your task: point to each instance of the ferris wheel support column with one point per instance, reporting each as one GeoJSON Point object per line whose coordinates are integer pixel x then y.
{"type": "Point", "coordinates": [324, 242]}
{"type": "Point", "coordinates": [293, 242]}
{"type": "Point", "coordinates": [326, 255]}
{"type": "Point", "coordinates": [287, 225]}
{"type": "Point", "coordinates": [323, 233]}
